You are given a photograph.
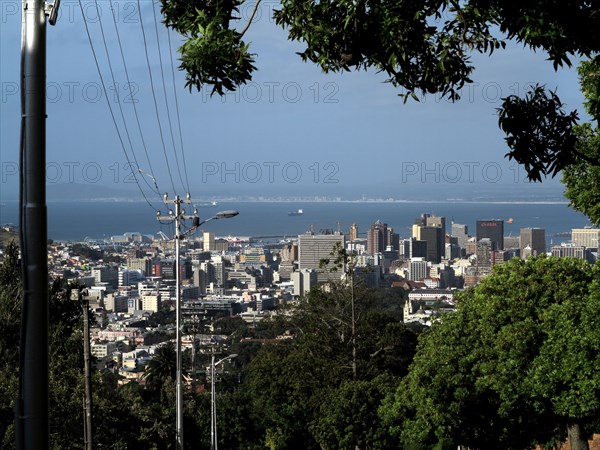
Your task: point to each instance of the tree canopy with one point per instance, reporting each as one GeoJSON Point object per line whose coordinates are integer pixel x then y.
{"type": "Point", "coordinates": [513, 367]}
{"type": "Point", "coordinates": [423, 47]}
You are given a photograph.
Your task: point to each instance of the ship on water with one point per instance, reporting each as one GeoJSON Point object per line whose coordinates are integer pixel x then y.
{"type": "Point", "coordinates": [296, 213]}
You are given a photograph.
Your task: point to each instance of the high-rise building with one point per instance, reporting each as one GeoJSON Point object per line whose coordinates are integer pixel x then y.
{"type": "Point", "coordinates": [417, 269]}
{"type": "Point", "coordinates": [353, 232]}
{"type": "Point", "coordinates": [461, 233]}
{"type": "Point", "coordinates": [533, 242]}
{"type": "Point", "coordinates": [587, 237]}
{"type": "Point", "coordinates": [106, 274]}
{"type": "Point", "coordinates": [492, 230]}
{"type": "Point", "coordinates": [485, 252]}
{"type": "Point", "coordinates": [572, 251]}
{"type": "Point", "coordinates": [431, 229]}
{"type": "Point", "coordinates": [304, 280]}
{"type": "Point", "coordinates": [312, 248]}
{"type": "Point", "coordinates": [379, 237]}
{"type": "Point", "coordinates": [208, 241]}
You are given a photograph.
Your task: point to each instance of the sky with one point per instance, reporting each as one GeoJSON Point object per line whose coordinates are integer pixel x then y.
{"type": "Point", "coordinates": [293, 131]}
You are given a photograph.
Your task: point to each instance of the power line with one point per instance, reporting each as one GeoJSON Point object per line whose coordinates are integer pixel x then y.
{"type": "Point", "coordinates": [162, 74]}
{"type": "Point", "coordinates": [162, 139]}
{"type": "Point", "coordinates": [133, 102]}
{"type": "Point", "coordinates": [112, 74]}
{"type": "Point", "coordinates": [87, 30]}
{"type": "Point", "coordinates": [187, 181]}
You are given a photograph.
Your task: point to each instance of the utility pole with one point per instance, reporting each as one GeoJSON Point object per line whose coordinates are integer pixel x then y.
{"type": "Point", "coordinates": [81, 297]}
{"type": "Point", "coordinates": [179, 216]}
{"type": "Point", "coordinates": [89, 442]}
{"type": "Point", "coordinates": [31, 406]}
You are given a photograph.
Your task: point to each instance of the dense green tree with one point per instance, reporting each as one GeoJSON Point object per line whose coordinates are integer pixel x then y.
{"type": "Point", "coordinates": [329, 360]}
{"type": "Point", "coordinates": [10, 316]}
{"type": "Point", "coordinates": [504, 371]}
{"type": "Point", "coordinates": [422, 46]}
{"type": "Point", "coordinates": [348, 415]}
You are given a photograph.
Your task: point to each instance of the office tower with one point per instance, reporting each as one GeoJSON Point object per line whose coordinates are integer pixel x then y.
{"type": "Point", "coordinates": [353, 232]}
{"type": "Point", "coordinates": [208, 241]}
{"type": "Point", "coordinates": [209, 270]}
{"type": "Point", "coordinates": [492, 230]}
{"type": "Point", "coordinates": [144, 264]}
{"type": "Point", "coordinates": [200, 280]}
{"type": "Point", "coordinates": [418, 248]}
{"type": "Point", "coordinates": [220, 272]}
{"type": "Point", "coordinates": [404, 249]}
{"type": "Point", "coordinates": [289, 253]}
{"type": "Point", "coordinates": [304, 281]}
{"type": "Point", "coordinates": [512, 242]}
{"type": "Point", "coordinates": [106, 274]}
{"type": "Point", "coordinates": [379, 237]}
{"type": "Point", "coordinates": [417, 269]}
{"type": "Point", "coordinates": [570, 250]}
{"type": "Point", "coordinates": [312, 248]}
{"type": "Point", "coordinates": [533, 242]}
{"type": "Point", "coordinates": [485, 252]}
{"type": "Point", "coordinates": [431, 229]}
{"type": "Point", "coordinates": [461, 233]}
{"type": "Point", "coordinates": [452, 249]}
{"type": "Point", "coordinates": [587, 237]}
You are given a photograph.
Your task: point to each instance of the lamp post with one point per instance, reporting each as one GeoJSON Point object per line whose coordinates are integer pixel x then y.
{"type": "Point", "coordinates": [213, 399]}
{"type": "Point", "coordinates": [179, 217]}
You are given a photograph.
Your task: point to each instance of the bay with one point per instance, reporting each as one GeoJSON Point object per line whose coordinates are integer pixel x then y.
{"type": "Point", "coordinates": [77, 220]}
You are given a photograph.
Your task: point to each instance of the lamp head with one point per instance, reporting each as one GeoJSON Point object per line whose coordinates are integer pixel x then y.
{"type": "Point", "coordinates": [226, 214]}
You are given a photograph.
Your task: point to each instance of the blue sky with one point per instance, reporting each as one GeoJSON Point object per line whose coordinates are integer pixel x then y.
{"type": "Point", "coordinates": [292, 131]}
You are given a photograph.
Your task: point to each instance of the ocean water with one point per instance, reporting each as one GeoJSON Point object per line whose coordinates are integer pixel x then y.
{"type": "Point", "coordinates": [77, 220]}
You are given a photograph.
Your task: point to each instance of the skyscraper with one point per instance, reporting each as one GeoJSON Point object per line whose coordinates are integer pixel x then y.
{"type": "Point", "coordinates": [353, 232]}
{"type": "Point", "coordinates": [431, 229]}
{"type": "Point", "coordinates": [533, 242]}
{"type": "Point", "coordinates": [493, 230]}
{"type": "Point", "coordinates": [312, 248]}
{"type": "Point", "coordinates": [461, 232]}
{"type": "Point", "coordinates": [208, 241]}
{"type": "Point", "coordinates": [379, 237]}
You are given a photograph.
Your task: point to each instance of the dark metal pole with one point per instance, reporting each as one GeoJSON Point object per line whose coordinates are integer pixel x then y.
{"type": "Point", "coordinates": [32, 404]}
{"type": "Point", "coordinates": [89, 443]}
{"type": "Point", "coordinates": [178, 386]}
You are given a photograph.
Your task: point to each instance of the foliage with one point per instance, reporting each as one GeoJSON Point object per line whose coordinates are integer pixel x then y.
{"type": "Point", "coordinates": [539, 133]}
{"type": "Point", "coordinates": [348, 415]}
{"type": "Point", "coordinates": [10, 314]}
{"type": "Point", "coordinates": [162, 366]}
{"type": "Point", "coordinates": [513, 367]}
{"type": "Point", "coordinates": [422, 46]}
{"type": "Point", "coordinates": [582, 177]}
{"type": "Point", "coordinates": [306, 387]}
{"type": "Point", "coordinates": [213, 53]}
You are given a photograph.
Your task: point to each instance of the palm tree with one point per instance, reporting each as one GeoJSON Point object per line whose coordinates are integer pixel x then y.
{"type": "Point", "coordinates": [162, 366]}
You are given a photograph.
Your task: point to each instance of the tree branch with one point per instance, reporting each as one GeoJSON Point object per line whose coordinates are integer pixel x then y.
{"type": "Point", "coordinates": [251, 18]}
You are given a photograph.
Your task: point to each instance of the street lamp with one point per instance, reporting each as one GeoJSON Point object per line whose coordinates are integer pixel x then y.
{"type": "Point", "coordinates": [213, 399]}
{"type": "Point", "coordinates": [178, 217]}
